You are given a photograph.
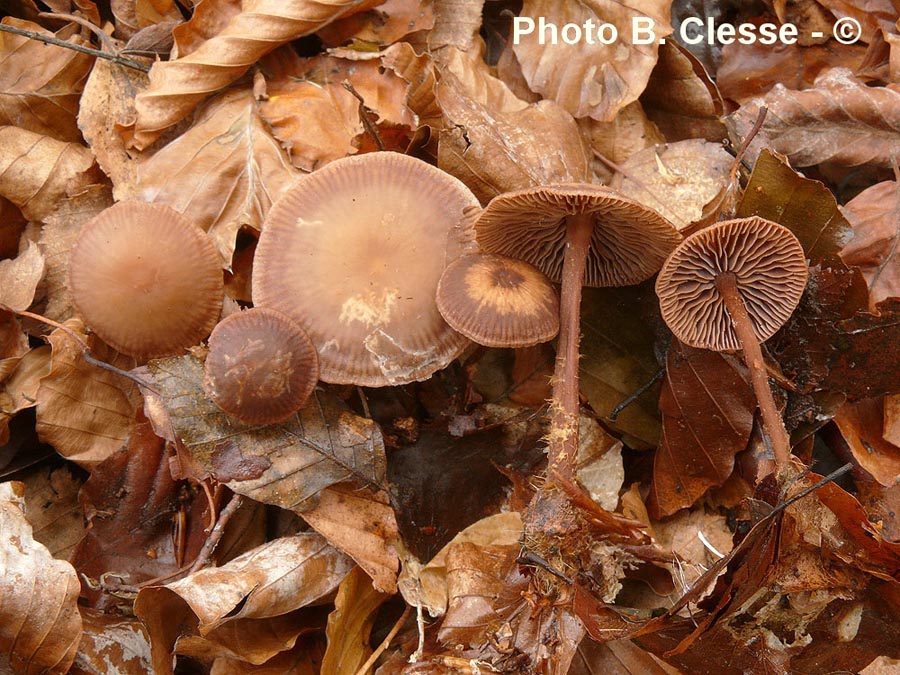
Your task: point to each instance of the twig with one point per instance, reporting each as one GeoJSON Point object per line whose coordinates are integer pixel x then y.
{"type": "Point", "coordinates": [385, 643]}
{"type": "Point", "coordinates": [365, 115]}
{"type": "Point", "coordinates": [631, 398]}
{"type": "Point", "coordinates": [416, 656]}
{"type": "Point", "coordinates": [115, 58]}
{"type": "Point", "coordinates": [216, 535]}
{"type": "Point", "coordinates": [739, 157]}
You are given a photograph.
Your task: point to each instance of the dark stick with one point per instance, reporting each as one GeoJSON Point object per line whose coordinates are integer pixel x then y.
{"type": "Point", "coordinates": [640, 391]}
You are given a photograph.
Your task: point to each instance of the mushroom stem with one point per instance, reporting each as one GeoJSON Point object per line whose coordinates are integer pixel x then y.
{"type": "Point", "coordinates": [772, 423]}
{"type": "Point", "coordinates": [563, 439]}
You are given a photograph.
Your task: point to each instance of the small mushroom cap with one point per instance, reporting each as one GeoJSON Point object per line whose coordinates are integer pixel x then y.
{"type": "Point", "coordinates": [770, 268]}
{"type": "Point", "coordinates": [629, 244]}
{"type": "Point", "coordinates": [146, 279]}
{"type": "Point", "coordinates": [498, 301]}
{"type": "Point", "coordinates": [353, 252]}
{"type": "Point", "coordinates": [261, 368]}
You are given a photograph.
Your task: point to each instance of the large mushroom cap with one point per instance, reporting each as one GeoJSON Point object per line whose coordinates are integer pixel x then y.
{"type": "Point", "coordinates": [146, 279]}
{"type": "Point", "coordinates": [770, 269]}
{"type": "Point", "coordinates": [261, 367]}
{"type": "Point", "coordinates": [498, 301]}
{"type": "Point", "coordinates": [353, 252]}
{"type": "Point", "coordinates": [629, 243]}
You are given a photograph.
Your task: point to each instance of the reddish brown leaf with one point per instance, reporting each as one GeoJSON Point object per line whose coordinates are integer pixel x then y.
{"type": "Point", "coordinates": [19, 278]}
{"type": "Point", "coordinates": [111, 645]}
{"type": "Point", "coordinates": [53, 509]}
{"type": "Point", "coordinates": [861, 425]}
{"type": "Point", "coordinates": [382, 25]}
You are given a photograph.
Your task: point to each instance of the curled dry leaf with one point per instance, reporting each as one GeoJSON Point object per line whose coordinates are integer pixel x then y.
{"type": "Point", "coordinates": [112, 645]}
{"type": "Point", "coordinates": [13, 344]}
{"type": "Point", "coordinates": [630, 132]}
{"type": "Point", "coordinates": [36, 172]}
{"type": "Point", "coordinates": [861, 425]}
{"type": "Point", "coordinates": [19, 390]}
{"type": "Point", "coordinates": [268, 581]}
{"type": "Point", "coordinates": [52, 508]}
{"type": "Point", "coordinates": [599, 463]}
{"type": "Point", "coordinates": [456, 25]}
{"type": "Point", "coordinates": [40, 626]}
{"type": "Point", "coordinates": [385, 24]}
{"type": "Point", "coordinates": [420, 74]}
{"type": "Point", "coordinates": [838, 120]}
{"type": "Point", "coordinates": [287, 464]}
{"type": "Point", "coordinates": [591, 80]}
{"type": "Point", "coordinates": [494, 142]}
{"type": "Point", "coordinates": [132, 15]}
{"type": "Point", "coordinates": [85, 412]}
{"type": "Point", "coordinates": [40, 84]}
{"type": "Point", "coordinates": [874, 215]}
{"type": "Point", "coordinates": [177, 87]}
{"type": "Point", "coordinates": [222, 173]}
{"type": "Point", "coordinates": [19, 278]}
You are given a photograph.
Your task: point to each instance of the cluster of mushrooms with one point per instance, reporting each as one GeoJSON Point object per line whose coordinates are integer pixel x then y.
{"type": "Point", "coordinates": [379, 269]}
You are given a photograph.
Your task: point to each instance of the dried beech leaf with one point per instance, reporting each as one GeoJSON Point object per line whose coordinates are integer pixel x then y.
{"type": "Point", "coordinates": [19, 390]}
{"type": "Point", "coordinates": [679, 534]}
{"type": "Point", "coordinates": [363, 526]}
{"type": "Point", "coordinates": [112, 645]}
{"type": "Point", "coordinates": [591, 80]}
{"type": "Point", "coordinates": [618, 657]}
{"type": "Point", "coordinates": [630, 132]}
{"type": "Point", "coordinates": [861, 425]}
{"type": "Point", "coordinates": [838, 120]}
{"type": "Point", "coordinates": [456, 25]}
{"type": "Point", "coordinates": [599, 463]}
{"type": "Point", "coordinates": [271, 580]}
{"type": "Point", "coordinates": [707, 406]}
{"type": "Point", "coordinates": [350, 624]}
{"type": "Point", "coordinates": [19, 278]}
{"type": "Point", "coordinates": [222, 173]}
{"type": "Point", "coordinates": [13, 344]}
{"type": "Point", "coordinates": [37, 171]}
{"type": "Point", "coordinates": [132, 15]}
{"type": "Point", "coordinates": [382, 25]}
{"type": "Point", "coordinates": [804, 206]}
{"type": "Point", "coordinates": [304, 659]}
{"type": "Point", "coordinates": [40, 84]}
{"type": "Point", "coordinates": [53, 509]}
{"type": "Point", "coordinates": [874, 215]}
{"type": "Point", "coordinates": [85, 412]}
{"type": "Point", "coordinates": [40, 626]}
{"type": "Point", "coordinates": [420, 75]}
{"type": "Point", "coordinates": [208, 20]}
{"type": "Point", "coordinates": [494, 142]}
{"type": "Point", "coordinates": [286, 464]}
{"type": "Point", "coordinates": [177, 87]}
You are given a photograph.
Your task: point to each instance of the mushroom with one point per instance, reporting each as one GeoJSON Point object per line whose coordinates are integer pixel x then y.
{"type": "Point", "coordinates": [354, 251]}
{"type": "Point", "coordinates": [731, 286]}
{"type": "Point", "coordinates": [261, 368]}
{"type": "Point", "coordinates": [498, 301]}
{"type": "Point", "coordinates": [577, 234]}
{"type": "Point", "coordinates": [146, 279]}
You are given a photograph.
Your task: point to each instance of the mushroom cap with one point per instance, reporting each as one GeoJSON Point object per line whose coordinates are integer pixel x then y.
{"type": "Point", "coordinates": [498, 301]}
{"type": "Point", "coordinates": [146, 279]}
{"type": "Point", "coordinates": [261, 368]}
{"type": "Point", "coordinates": [354, 251]}
{"type": "Point", "coordinates": [770, 268]}
{"type": "Point", "coordinates": [629, 243]}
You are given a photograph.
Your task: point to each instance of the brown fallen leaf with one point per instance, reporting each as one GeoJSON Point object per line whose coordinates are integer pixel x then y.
{"type": "Point", "coordinates": [40, 84]}
{"type": "Point", "coordinates": [590, 79]}
{"type": "Point", "coordinates": [12, 224]}
{"type": "Point", "coordinates": [285, 464]}
{"type": "Point", "coordinates": [111, 645]}
{"type": "Point", "coordinates": [421, 76]}
{"type": "Point", "coordinates": [872, 15]}
{"type": "Point", "coordinates": [861, 424]}
{"type": "Point", "coordinates": [618, 657]}
{"type": "Point", "coordinates": [36, 171]}
{"type": "Point", "coordinates": [20, 277]}
{"type": "Point", "coordinates": [177, 87]}
{"type": "Point", "coordinates": [53, 509]}
{"type": "Point", "coordinates": [839, 120]}
{"type": "Point", "coordinates": [874, 215]}
{"type": "Point", "coordinates": [456, 25]}
{"type": "Point", "coordinates": [304, 659]}
{"type": "Point", "coordinates": [629, 133]}
{"type": "Point", "coordinates": [13, 343]}
{"type": "Point", "coordinates": [383, 25]}
{"type": "Point", "coordinates": [598, 465]}
{"type": "Point", "coordinates": [40, 626]}
{"type": "Point", "coordinates": [19, 390]}
{"type": "Point", "coordinates": [132, 15]}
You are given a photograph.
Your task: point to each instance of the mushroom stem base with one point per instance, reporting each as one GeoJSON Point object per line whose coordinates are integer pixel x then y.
{"type": "Point", "coordinates": [772, 423]}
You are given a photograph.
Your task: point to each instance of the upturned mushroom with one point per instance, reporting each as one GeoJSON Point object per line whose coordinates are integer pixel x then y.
{"type": "Point", "coordinates": [731, 286]}
{"type": "Point", "coordinates": [354, 251]}
{"type": "Point", "coordinates": [146, 279]}
{"type": "Point", "coordinates": [261, 367]}
{"type": "Point", "coordinates": [498, 301]}
{"type": "Point", "coordinates": [576, 234]}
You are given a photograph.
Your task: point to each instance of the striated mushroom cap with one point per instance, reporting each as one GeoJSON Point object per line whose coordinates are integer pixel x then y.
{"type": "Point", "coordinates": [261, 368]}
{"type": "Point", "coordinates": [770, 268]}
{"type": "Point", "coordinates": [146, 279]}
{"type": "Point", "coordinates": [629, 244]}
{"type": "Point", "coordinates": [354, 251]}
{"type": "Point", "coordinates": [498, 301]}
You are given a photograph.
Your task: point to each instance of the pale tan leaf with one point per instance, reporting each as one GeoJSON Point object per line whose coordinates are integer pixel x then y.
{"type": "Point", "coordinates": [84, 411]}
{"type": "Point", "coordinates": [111, 645]}
{"type": "Point", "coordinates": [40, 626]}
{"type": "Point", "coordinates": [630, 132]}
{"type": "Point", "coordinates": [53, 509]}
{"type": "Point", "coordinates": [598, 464]}
{"type": "Point", "coordinates": [19, 390]}
{"type": "Point", "coordinates": [383, 25]}
{"type": "Point", "coordinates": [37, 171]}
{"type": "Point", "coordinates": [177, 87]}
{"type": "Point", "coordinates": [13, 344]}
{"type": "Point", "coordinates": [363, 526]}
{"type": "Point", "coordinates": [285, 464]}
{"type": "Point", "coordinates": [40, 84]}
{"type": "Point", "coordinates": [19, 278]}
{"type": "Point", "coordinates": [222, 173]}
{"type": "Point", "coordinates": [456, 25]}
{"type": "Point", "coordinates": [591, 80]}
{"type": "Point", "coordinates": [839, 120]}
{"type": "Point", "coordinates": [419, 72]}
{"type": "Point", "coordinates": [861, 424]}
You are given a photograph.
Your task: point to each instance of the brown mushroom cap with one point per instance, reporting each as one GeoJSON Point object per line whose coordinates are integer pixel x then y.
{"type": "Point", "coordinates": [629, 243]}
{"type": "Point", "coordinates": [353, 252]}
{"type": "Point", "coordinates": [261, 368]}
{"type": "Point", "coordinates": [498, 301]}
{"type": "Point", "coordinates": [146, 279]}
{"type": "Point", "coordinates": [770, 270]}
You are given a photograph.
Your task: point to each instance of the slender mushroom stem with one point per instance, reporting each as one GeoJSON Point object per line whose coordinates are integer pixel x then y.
{"type": "Point", "coordinates": [563, 440]}
{"type": "Point", "coordinates": [772, 423]}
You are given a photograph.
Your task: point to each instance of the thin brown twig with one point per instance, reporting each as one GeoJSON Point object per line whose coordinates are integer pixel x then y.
{"type": "Point", "coordinates": [115, 58]}
{"type": "Point", "coordinates": [365, 115]}
{"type": "Point", "coordinates": [218, 531]}
{"type": "Point", "coordinates": [385, 643]}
